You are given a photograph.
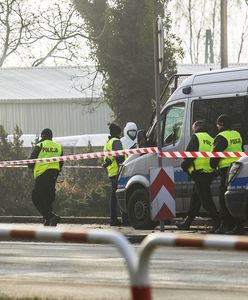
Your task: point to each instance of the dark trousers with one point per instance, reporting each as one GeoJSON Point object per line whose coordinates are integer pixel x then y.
{"type": "Point", "coordinates": [113, 200]}
{"type": "Point", "coordinates": [202, 195]}
{"type": "Point", "coordinates": [43, 194]}
{"type": "Point", "coordinates": [225, 216]}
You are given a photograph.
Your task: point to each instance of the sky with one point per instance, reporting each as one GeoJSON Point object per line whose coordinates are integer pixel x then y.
{"type": "Point", "coordinates": [237, 21]}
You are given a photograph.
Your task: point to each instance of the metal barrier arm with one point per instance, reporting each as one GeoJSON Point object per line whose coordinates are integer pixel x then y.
{"type": "Point", "coordinates": [154, 240]}
{"type": "Point", "coordinates": [94, 236]}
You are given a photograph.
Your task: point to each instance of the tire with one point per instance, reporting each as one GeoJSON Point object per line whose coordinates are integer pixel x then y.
{"type": "Point", "coordinates": [139, 210]}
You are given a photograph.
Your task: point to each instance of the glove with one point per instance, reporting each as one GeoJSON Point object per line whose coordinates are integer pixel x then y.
{"type": "Point", "coordinates": [107, 162]}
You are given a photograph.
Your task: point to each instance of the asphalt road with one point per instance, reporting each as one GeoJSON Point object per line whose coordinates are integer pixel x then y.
{"type": "Point", "coordinates": [98, 272]}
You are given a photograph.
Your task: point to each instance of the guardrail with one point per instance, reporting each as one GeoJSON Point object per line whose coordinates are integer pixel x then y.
{"type": "Point", "coordinates": [137, 265]}
{"type": "Point", "coordinates": [154, 240]}
{"type": "Point", "coordinates": [138, 292]}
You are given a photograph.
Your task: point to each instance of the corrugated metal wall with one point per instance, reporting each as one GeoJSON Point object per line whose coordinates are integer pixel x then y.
{"type": "Point", "coordinates": [64, 118]}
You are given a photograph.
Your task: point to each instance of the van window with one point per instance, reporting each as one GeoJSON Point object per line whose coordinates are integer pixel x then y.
{"type": "Point", "coordinates": [211, 109]}
{"type": "Point", "coordinates": [173, 123]}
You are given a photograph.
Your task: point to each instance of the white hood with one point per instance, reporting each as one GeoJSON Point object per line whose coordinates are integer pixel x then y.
{"type": "Point", "coordinates": [130, 136]}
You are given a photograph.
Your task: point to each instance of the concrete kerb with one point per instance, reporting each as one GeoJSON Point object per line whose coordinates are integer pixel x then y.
{"type": "Point", "coordinates": [85, 223]}
{"type": "Point", "coordinates": [64, 220]}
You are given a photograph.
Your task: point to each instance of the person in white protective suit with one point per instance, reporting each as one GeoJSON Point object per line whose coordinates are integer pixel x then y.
{"type": "Point", "coordinates": [129, 140]}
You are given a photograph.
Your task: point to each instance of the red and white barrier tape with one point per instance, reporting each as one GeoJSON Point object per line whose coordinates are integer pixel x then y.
{"type": "Point", "coordinates": [170, 154]}
{"type": "Point", "coordinates": [81, 156]}
{"type": "Point", "coordinates": [67, 167]}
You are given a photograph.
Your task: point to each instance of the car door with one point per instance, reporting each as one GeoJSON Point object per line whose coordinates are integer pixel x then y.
{"type": "Point", "coordinates": [173, 139]}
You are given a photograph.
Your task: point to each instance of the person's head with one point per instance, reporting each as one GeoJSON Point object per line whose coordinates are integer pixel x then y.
{"type": "Point", "coordinates": [223, 122]}
{"type": "Point", "coordinates": [130, 130]}
{"type": "Point", "coordinates": [114, 130]}
{"type": "Point", "coordinates": [46, 134]}
{"type": "Point", "coordinates": [199, 126]}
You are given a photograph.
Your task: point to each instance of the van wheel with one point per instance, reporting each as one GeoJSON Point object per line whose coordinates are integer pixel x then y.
{"type": "Point", "coordinates": [139, 210]}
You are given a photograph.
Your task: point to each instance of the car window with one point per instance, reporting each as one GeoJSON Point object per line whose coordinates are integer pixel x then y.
{"type": "Point", "coordinates": [173, 123]}
{"type": "Point", "coordinates": [211, 109]}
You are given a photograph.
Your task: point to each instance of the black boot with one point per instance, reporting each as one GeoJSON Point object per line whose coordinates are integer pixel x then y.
{"type": "Point", "coordinates": [224, 228]}
{"type": "Point", "coordinates": [215, 227]}
{"type": "Point", "coordinates": [185, 225]}
{"type": "Point", "coordinates": [54, 219]}
{"type": "Point", "coordinates": [238, 229]}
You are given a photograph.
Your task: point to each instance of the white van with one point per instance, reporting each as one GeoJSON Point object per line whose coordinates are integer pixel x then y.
{"type": "Point", "coordinates": [201, 96]}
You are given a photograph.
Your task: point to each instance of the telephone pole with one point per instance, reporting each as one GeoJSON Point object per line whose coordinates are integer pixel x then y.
{"type": "Point", "coordinates": [223, 35]}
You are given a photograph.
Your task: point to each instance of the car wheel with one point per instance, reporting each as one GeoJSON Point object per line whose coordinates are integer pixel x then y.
{"type": "Point", "coordinates": [139, 210]}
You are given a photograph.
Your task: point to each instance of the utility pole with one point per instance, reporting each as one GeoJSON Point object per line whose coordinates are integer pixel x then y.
{"type": "Point", "coordinates": [158, 66]}
{"type": "Point", "coordinates": [223, 35]}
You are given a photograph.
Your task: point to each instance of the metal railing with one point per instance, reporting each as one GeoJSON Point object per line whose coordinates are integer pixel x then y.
{"type": "Point", "coordinates": [137, 263]}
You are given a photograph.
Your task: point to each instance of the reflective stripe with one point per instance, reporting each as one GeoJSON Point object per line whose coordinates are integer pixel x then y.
{"type": "Point", "coordinates": [234, 144]}
{"type": "Point", "coordinates": [205, 145]}
{"type": "Point", "coordinates": [48, 149]}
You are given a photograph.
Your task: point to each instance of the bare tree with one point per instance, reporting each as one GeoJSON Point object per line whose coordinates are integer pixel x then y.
{"type": "Point", "coordinates": [59, 29]}
{"type": "Point", "coordinates": [34, 34]}
{"type": "Point", "coordinates": [89, 83]}
{"type": "Point", "coordinates": [15, 21]}
{"type": "Point", "coordinates": [243, 33]}
{"type": "Point", "coordinates": [193, 18]}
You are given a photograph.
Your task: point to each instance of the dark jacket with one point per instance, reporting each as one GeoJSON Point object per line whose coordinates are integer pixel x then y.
{"type": "Point", "coordinates": [193, 145]}
{"type": "Point", "coordinates": [117, 145]}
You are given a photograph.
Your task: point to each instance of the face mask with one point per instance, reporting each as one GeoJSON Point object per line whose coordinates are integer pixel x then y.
{"type": "Point", "coordinates": [132, 134]}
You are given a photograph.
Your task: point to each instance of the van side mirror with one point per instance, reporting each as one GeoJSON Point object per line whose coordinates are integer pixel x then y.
{"type": "Point", "coordinates": [141, 138]}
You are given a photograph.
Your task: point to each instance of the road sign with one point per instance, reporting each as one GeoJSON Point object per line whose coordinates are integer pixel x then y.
{"type": "Point", "coordinates": [162, 189]}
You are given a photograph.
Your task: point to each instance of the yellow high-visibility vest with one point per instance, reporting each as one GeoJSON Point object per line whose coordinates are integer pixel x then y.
{"type": "Point", "coordinates": [113, 168]}
{"type": "Point", "coordinates": [205, 145]}
{"type": "Point", "coordinates": [48, 149]}
{"type": "Point", "coordinates": [234, 144]}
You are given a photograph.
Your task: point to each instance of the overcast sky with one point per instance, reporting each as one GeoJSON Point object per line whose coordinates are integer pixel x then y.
{"type": "Point", "coordinates": [237, 22]}
{"type": "Point", "coordinates": [237, 19]}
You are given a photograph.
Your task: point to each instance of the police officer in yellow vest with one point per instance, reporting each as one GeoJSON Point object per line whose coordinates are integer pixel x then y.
{"type": "Point", "coordinates": [45, 175]}
{"type": "Point", "coordinates": [200, 171]}
{"type": "Point", "coordinates": [112, 166]}
{"type": "Point", "coordinates": [227, 140]}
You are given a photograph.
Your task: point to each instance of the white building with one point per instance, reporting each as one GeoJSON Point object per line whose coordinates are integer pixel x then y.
{"type": "Point", "coordinates": [60, 98]}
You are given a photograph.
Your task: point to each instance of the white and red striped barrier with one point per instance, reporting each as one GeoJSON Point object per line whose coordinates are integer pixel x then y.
{"type": "Point", "coordinates": [152, 150]}
{"type": "Point", "coordinates": [90, 236]}
{"type": "Point", "coordinates": [154, 240]}
{"type": "Point", "coordinates": [137, 265]}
